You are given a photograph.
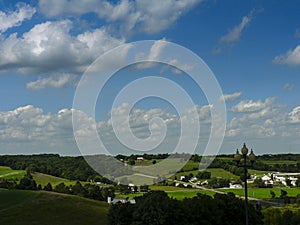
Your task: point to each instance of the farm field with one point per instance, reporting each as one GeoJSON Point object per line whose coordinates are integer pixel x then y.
{"type": "Point", "coordinates": [35, 208]}
{"type": "Point", "coordinates": [263, 193]}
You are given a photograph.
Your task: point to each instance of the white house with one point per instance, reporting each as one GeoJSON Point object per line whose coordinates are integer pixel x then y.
{"type": "Point", "coordinates": [182, 177]}
{"type": "Point", "coordinates": [193, 179]}
{"type": "Point", "coordinates": [235, 186]}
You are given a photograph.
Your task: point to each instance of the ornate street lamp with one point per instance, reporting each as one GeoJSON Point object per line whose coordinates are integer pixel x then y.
{"type": "Point", "coordinates": [237, 158]}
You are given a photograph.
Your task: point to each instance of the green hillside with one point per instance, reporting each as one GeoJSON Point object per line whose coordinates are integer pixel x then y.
{"type": "Point", "coordinates": [40, 178]}
{"type": "Point", "coordinates": [46, 208]}
{"type": "Point", "coordinates": [8, 173]}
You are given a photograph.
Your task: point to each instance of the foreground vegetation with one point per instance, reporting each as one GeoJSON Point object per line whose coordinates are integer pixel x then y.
{"type": "Point", "coordinates": [35, 208]}
{"type": "Point", "coordinates": [157, 208]}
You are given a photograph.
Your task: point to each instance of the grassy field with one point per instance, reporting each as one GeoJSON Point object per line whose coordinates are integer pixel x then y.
{"type": "Point", "coordinates": [259, 173]}
{"type": "Point", "coordinates": [215, 172]}
{"type": "Point", "coordinates": [8, 173]}
{"type": "Point", "coordinates": [40, 178]}
{"type": "Point", "coordinates": [35, 208]}
{"type": "Point", "coordinates": [44, 179]}
{"type": "Point", "coordinates": [264, 193]}
{"type": "Point", "coordinates": [172, 191]}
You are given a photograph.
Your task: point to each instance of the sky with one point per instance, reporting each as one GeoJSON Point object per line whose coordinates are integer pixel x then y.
{"type": "Point", "coordinates": [252, 47]}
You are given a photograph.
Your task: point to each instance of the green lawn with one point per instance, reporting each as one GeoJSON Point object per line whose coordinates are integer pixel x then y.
{"type": "Point", "coordinates": [36, 208]}
{"type": "Point", "coordinates": [263, 193]}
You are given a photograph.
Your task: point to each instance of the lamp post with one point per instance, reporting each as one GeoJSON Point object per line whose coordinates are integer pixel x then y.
{"type": "Point", "coordinates": [244, 156]}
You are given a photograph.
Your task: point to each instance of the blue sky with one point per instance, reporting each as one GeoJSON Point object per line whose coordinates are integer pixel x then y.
{"type": "Point", "coordinates": [252, 47]}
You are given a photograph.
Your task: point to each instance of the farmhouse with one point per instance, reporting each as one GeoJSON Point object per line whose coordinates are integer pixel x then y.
{"type": "Point", "coordinates": [235, 186]}
{"type": "Point", "coordinates": [120, 201]}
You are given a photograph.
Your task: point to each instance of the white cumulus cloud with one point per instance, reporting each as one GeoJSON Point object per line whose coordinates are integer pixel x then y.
{"type": "Point", "coordinates": [49, 47]}
{"type": "Point", "coordinates": [54, 81]}
{"type": "Point", "coordinates": [139, 16]}
{"type": "Point", "coordinates": [292, 57]}
{"type": "Point", "coordinates": [15, 18]}
{"type": "Point", "coordinates": [231, 97]}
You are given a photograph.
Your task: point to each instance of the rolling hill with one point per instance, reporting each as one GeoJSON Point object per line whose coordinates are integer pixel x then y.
{"type": "Point", "coordinates": [18, 207]}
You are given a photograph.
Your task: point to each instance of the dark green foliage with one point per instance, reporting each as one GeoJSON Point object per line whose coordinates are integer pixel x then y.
{"type": "Point", "coordinates": [156, 207]}
{"type": "Point", "coordinates": [283, 193]}
{"type": "Point", "coordinates": [27, 183]}
{"type": "Point", "coordinates": [61, 188]}
{"type": "Point", "coordinates": [203, 175]}
{"type": "Point", "coordinates": [275, 216]}
{"type": "Point", "coordinates": [131, 162]}
{"type": "Point", "coordinates": [73, 168]}
{"type": "Point", "coordinates": [48, 187]}
{"type": "Point", "coordinates": [144, 188]}
{"type": "Point", "coordinates": [218, 182]}
{"type": "Point", "coordinates": [273, 195]}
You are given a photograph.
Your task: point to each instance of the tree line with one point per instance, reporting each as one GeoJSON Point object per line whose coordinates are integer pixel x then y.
{"type": "Point", "coordinates": [88, 190]}
{"type": "Point", "coordinates": [156, 207]}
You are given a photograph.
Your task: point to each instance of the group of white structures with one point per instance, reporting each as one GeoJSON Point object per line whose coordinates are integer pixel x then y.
{"type": "Point", "coordinates": [271, 178]}
{"type": "Point", "coordinates": [268, 179]}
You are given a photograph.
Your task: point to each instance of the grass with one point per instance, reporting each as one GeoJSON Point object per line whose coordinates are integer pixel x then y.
{"type": "Point", "coordinates": [162, 168]}
{"type": "Point", "coordinates": [215, 172]}
{"type": "Point", "coordinates": [10, 198]}
{"type": "Point", "coordinates": [136, 179]}
{"type": "Point", "coordinates": [8, 173]}
{"type": "Point", "coordinates": [264, 193]}
{"type": "Point", "coordinates": [44, 179]}
{"type": "Point", "coordinates": [172, 191]}
{"type": "Point", "coordinates": [50, 208]}
{"type": "Point", "coordinates": [180, 195]}
{"type": "Point", "coordinates": [279, 162]}
{"type": "Point", "coordinates": [40, 178]}
{"type": "Point", "coordinates": [259, 173]}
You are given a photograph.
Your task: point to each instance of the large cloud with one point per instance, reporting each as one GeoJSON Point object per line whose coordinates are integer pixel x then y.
{"type": "Point", "coordinates": [49, 47]}
{"type": "Point", "coordinates": [137, 16]}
